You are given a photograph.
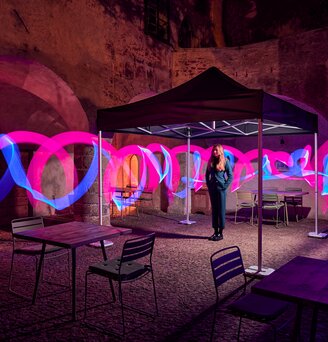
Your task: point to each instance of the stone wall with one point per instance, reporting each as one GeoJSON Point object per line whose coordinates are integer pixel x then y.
{"type": "Point", "coordinates": [292, 66]}
{"type": "Point", "coordinates": [97, 48]}
{"type": "Point", "coordinates": [101, 52]}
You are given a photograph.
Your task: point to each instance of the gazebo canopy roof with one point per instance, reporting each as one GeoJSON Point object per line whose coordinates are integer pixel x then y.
{"type": "Point", "coordinates": [208, 106]}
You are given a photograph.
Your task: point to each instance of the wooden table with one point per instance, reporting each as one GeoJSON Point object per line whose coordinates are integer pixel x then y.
{"type": "Point", "coordinates": [70, 235]}
{"type": "Point", "coordinates": [302, 281]}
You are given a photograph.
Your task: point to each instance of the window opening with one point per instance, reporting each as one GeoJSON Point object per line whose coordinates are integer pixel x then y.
{"type": "Point", "coordinates": [157, 19]}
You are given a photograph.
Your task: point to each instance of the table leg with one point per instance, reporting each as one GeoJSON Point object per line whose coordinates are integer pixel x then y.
{"type": "Point", "coordinates": [105, 258]}
{"type": "Point", "coordinates": [297, 323]}
{"type": "Point", "coordinates": [286, 211]}
{"type": "Point", "coordinates": [73, 284]}
{"type": "Point", "coordinates": [103, 249]}
{"type": "Point", "coordinates": [314, 324]}
{"type": "Point", "coordinates": [38, 273]}
{"type": "Point", "coordinates": [121, 205]}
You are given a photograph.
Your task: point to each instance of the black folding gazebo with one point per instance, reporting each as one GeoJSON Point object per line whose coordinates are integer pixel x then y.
{"type": "Point", "coordinates": [212, 105]}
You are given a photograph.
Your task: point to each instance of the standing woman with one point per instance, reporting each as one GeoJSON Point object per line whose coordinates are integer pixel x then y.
{"type": "Point", "coordinates": [218, 178]}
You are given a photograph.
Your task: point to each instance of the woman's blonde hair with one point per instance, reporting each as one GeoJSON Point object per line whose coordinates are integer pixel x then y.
{"type": "Point", "coordinates": [218, 163]}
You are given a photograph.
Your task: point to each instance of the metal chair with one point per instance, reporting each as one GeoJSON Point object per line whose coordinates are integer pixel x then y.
{"type": "Point", "coordinates": [295, 201]}
{"type": "Point", "coordinates": [22, 247]}
{"type": "Point", "coordinates": [226, 265]}
{"type": "Point", "coordinates": [141, 196]}
{"type": "Point", "coordinates": [271, 202]}
{"type": "Point", "coordinates": [127, 268]}
{"type": "Point", "coordinates": [245, 199]}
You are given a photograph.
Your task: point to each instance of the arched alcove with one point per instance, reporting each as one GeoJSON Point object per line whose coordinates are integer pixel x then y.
{"type": "Point", "coordinates": [33, 98]}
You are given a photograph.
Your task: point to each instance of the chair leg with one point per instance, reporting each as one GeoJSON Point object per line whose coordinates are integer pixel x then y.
{"type": "Point", "coordinates": [277, 218]}
{"type": "Point", "coordinates": [155, 296]}
{"type": "Point", "coordinates": [36, 270]}
{"type": "Point", "coordinates": [286, 214]}
{"type": "Point", "coordinates": [236, 215]}
{"type": "Point", "coordinates": [85, 294]}
{"type": "Point", "coordinates": [239, 328]}
{"type": "Point", "coordinates": [122, 308]}
{"type": "Point", "coordinates": [252, 217]}
{"type": "Point", "coordinates": [10, 287]}
{"type": "Point", "coordinates": [213, 323]}
{"type": "Point", "coordinates": [69, 272]}
{"type": "Point", "coordinates": [52, 282]}
{"type": "Point", "coordinates": [112, 289]}
{"type": "Point", "coordinates": [11, 274]}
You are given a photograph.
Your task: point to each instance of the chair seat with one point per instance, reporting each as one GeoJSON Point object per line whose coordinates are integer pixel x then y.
{"type": "Point", "coordinates": [134, 263]}
{"type": "Point", "coordinates": [35, 249]}
{"type": "Point", "coordinates": [129, 270]}
{"type": "Point", "coordinates": [247, 205]}
{"type": "Point", "coordinates": [273, 206]}
{"type": "Point", "coordinates": [258, 307]}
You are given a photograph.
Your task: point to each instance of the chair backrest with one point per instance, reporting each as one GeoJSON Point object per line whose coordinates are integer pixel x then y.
{"type": "Point", "coordinates": [26, 223]}
{"type": "Point", "coordinates": [295, 200]}
{"type": "Point", "coordinates": [244, 196]}
{"type": "Point", "coordinates": [272, 198]}
{"type": "Point", "coordinates": [138, 248]}
{"type": "Point", "coordinates": [226, 264]}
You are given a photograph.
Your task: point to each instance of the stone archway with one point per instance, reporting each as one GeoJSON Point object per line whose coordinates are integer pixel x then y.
{"type": "Point", "coordinates": [33, 98]}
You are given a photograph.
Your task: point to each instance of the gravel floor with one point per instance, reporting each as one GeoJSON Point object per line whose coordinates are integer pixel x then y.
{"type": "Point", "coordinates": [183, 278]}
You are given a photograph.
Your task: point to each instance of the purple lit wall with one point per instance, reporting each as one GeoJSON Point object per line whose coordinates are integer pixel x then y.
{"type": "Point", "coordinates": [281, 166]}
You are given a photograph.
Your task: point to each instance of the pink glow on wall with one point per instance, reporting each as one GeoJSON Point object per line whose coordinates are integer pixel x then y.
{"type": "Point", "coordinates": [157, 163]}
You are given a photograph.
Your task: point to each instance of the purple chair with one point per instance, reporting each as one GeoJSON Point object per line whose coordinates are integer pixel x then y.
{"type": "Point", "coordinates": [227, 264]}
{"type": "Point", "coordinates": [134, 263]}
{"type": "Point", "coordinates": [28, 249]}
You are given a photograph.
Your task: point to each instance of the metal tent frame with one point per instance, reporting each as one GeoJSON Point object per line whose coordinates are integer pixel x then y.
{"type": "Point", "coordinates": [212, 105]}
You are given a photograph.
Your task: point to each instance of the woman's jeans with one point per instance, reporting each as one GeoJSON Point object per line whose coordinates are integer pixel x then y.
{"type": "Point", "coordinates": [218, 203]}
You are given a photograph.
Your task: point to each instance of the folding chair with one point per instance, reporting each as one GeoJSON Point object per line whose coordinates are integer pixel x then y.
{"type": "Point", "coordinates": [245, 199]}
{"type": "Point", "coordinates": [129, 267]}
{"type": "Point", "coordinates": [22, 247]}
{"type": "Point", "coordinates": [227, 264]}
{"type": "Point", "coordinates": [295, 201]}
{"type": "Point", "coordinates": [270, 202]}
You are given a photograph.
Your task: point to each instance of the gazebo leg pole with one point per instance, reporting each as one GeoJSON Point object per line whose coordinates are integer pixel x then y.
{"type": "Point", "coordinates": [187, 221]}
{"type": "Point", "coordinates": [259, 270]}
{"type": "Point", "coordinates": [100, 179]}
{"type": "Point", "coordinates": [316, 233]}
{"type": "Point", "coordinates": [100, 195]}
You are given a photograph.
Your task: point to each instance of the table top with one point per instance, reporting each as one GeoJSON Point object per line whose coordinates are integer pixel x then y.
{"type": "Point", "coordinates": [71, 234]}
{"type": "Point", "coordinates": [282, 192]}
{"type": "Point", "coordinates": [302, 279]}
{"type": "Point", "coordinates": [132, 189]}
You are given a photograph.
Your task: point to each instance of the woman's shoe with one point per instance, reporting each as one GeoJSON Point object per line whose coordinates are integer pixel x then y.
{"type": "Point", "coordinates": [211, 238]}
{"type": "Point", "coordinates": [215, 237]}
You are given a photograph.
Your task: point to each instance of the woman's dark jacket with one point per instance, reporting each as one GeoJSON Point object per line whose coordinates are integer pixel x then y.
{"type": "Point", "coordinates": [218, 180]}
